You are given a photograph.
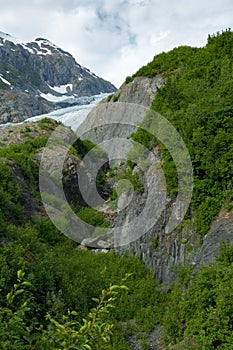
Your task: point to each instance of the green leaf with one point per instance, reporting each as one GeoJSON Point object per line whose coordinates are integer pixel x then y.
{"type": "Point", "coordinates": [74, 313]}
{"type": "Point", "coordinates": [20, 274]}
{"type": "Point", "coordinates": [9, 296]}
{"type": "Point", "coordinates": [124, 287]}
{"type": "Point", "coordinates": [20, 291]}
{"type": "Point", "coordinates": [96, 300]}
{"type": "Point", "coordinates": [28, 284]}
{"type": "Point", "coordinates": [113, 288]}
{"type": "Point", "coordinates": [86, 346]}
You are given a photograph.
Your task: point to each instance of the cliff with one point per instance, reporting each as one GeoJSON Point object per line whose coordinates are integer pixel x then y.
{"type": "Point", "coordinates": [113, 124]}
{"type": "Point", "coordinates": [118, 117]}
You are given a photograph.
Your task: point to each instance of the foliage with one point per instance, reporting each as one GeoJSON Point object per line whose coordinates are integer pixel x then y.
{"type": "Point", "coordinates": [196, 313]}
{"type": "Point", "coordinates": [197, 100]}
{"type": "Point", "coordinates": [116, 98]}
{"type": "Point", "coordinates": [10, 194]}
{"type": "Point", "coordinates": [63, 277]}
{"type": "Point", "coordinates": [23, 155]}
{"type": "Point", "coordinates": [83, 146]}
{"type": "Point", "coordinates": [93, 333]}
{"type": "Point", "coordinates": [46, 124]}
{"type": "Point", "coordinates": [155, 242]}
{"type": "Point", "coordinates": [128, 80]}
{"type": "Point", "coordinates": [143, 137]}
{"type": "Point", "coordinates": [124, 178]}
{"type": "Point", "coordinates": [91, 216]}
{"type": "Point", "coordinates": [109, 97]}
{"type": "Point", "coordinates": [199, 315]}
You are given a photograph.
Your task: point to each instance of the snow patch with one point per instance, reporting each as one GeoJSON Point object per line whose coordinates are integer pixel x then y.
{"type": "Point", "coordinates": [44, 44]}
{"type": "Point", "coordinates": [45, 52]}
{"type": "Point", "coordinates": [52, 98]}
{"type": "Point", "coordinates": [5, 81]}
{"type": "Point", "coordinates": [8, 37]}
{"type": "Point", "coordinates": [62, 89]}
{"type": "Point", "coordinates": [28, 48]}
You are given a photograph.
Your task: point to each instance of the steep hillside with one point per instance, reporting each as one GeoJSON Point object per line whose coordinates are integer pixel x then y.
{"type": "Point", "coordinates": [192, 88]}
{"type": "Point", "coordinates": [62, 276]}
{"type": "Point", "coordinates": [185, 300]}
{"type": "Point", "coordinates": [35, 75]}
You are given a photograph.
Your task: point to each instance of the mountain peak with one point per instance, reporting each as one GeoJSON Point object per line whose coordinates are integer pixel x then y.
{"type": "Point", "coordinates": [41, 71]}
{"type": "Point", "coordinates": [9, 37]}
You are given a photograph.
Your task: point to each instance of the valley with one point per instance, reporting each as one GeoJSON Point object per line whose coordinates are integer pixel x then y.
{"type": "Point", "coordinates": [117, 214]}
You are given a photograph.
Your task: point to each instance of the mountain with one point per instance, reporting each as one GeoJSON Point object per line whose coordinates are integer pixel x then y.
{"type": "Point", "coordinates": [192, 88]}
{"type": "Point", "coordinates": [37, 77]}
{"type": "Point", "coordinates": [184, 300]}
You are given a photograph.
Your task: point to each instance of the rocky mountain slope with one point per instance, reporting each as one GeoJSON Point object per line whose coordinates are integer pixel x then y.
{"type": "Point", "coordinates": [118, 117]}
{"type": "Point", "coordinates": [166, 82]}
{"type": "Point", "coordinates": [38, 76]}
{"type": "Point", "coordinates": [192, 88]}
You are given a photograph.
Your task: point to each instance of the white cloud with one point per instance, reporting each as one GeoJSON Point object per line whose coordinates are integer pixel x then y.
{"type": "Point", "coordinates": [115, 38]}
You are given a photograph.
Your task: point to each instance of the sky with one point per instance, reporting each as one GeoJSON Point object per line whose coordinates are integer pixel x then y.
{"type": "Point", "coordinates": [114, 38]}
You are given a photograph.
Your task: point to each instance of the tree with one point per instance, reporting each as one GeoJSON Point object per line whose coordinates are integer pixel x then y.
{"type": "Point", "coordinates": [93, 333]}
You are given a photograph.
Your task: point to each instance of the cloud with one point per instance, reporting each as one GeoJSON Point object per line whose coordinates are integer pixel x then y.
{"type": "Point", "coordinates": [115, 38]}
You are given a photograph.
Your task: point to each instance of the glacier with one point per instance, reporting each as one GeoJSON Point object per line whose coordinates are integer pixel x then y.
{"type": "Point", "coordinates": [72, 116]}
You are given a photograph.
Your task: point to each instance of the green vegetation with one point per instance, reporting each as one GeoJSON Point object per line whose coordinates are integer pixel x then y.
{"type": "Point", "coordinates": [65, 278]}
{"type": "Point", "coordinates": [199, 311]}
{"type": "Point", "coordinates": [60, 276]}
{"type": "Point", "coordinates": [46, 124]}
{"type": "Point", "coordinates": [4, 86]}
{"type": "Point", "coordinates": [91, 216]}
{"type": "Point", "coordinates": [116, 97]}
{"type": "Point", "coordinates": [197, 100]}
{"type": "Point", "coordinates": [93, 333]}
{"type": "Point", "coordinates": [109, 97]}
{"type": "Point", "coordinates": [123, 176]}
{"type": "Point", "coordinates": [84, 146]}
{"type": "Point", "coordinates": [155, 242]}
{"type": "Point", "coordinates": [128, 80]}
{"type": "Point", "coordinates": [56, 306]}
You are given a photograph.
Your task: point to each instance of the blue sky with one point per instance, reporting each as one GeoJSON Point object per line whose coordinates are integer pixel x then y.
{"type": "Point", "coordinates": [113, 38]}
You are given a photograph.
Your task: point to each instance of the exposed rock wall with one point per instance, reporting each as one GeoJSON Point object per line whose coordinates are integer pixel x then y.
{"type": "Point", "coordinates": [221, 230]}
{"type": "Point", "coordinates": [159, 250]}
{"type": "Point", "coordinates": [16, 106]}
{"type": "Point", "coordinates": [141, 90]}
{"type": "Point", "coordinates": [111, 119]}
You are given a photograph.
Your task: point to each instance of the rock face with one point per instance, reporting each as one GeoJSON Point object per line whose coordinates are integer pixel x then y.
{"type": "Point", "coordinates": [120, 114]}
{"type": "Point", "coordinates": [140, 91]}
{"type": "Point", "coordinates": [221, 230]}
{"type": "Point", "coordinates": [163, 252]}
{"type": "Point", "coordinates": [159, 250]}
{"type": "Point", "coordinates": [16, 106]}
{"type": "Point", "coordinates": [35, 74]}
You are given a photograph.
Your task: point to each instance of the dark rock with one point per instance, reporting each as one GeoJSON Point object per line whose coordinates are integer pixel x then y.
{"type": "Point", "coordinates": [29, 69]}
{"type": "Point", "coordinates": [221, 231]}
